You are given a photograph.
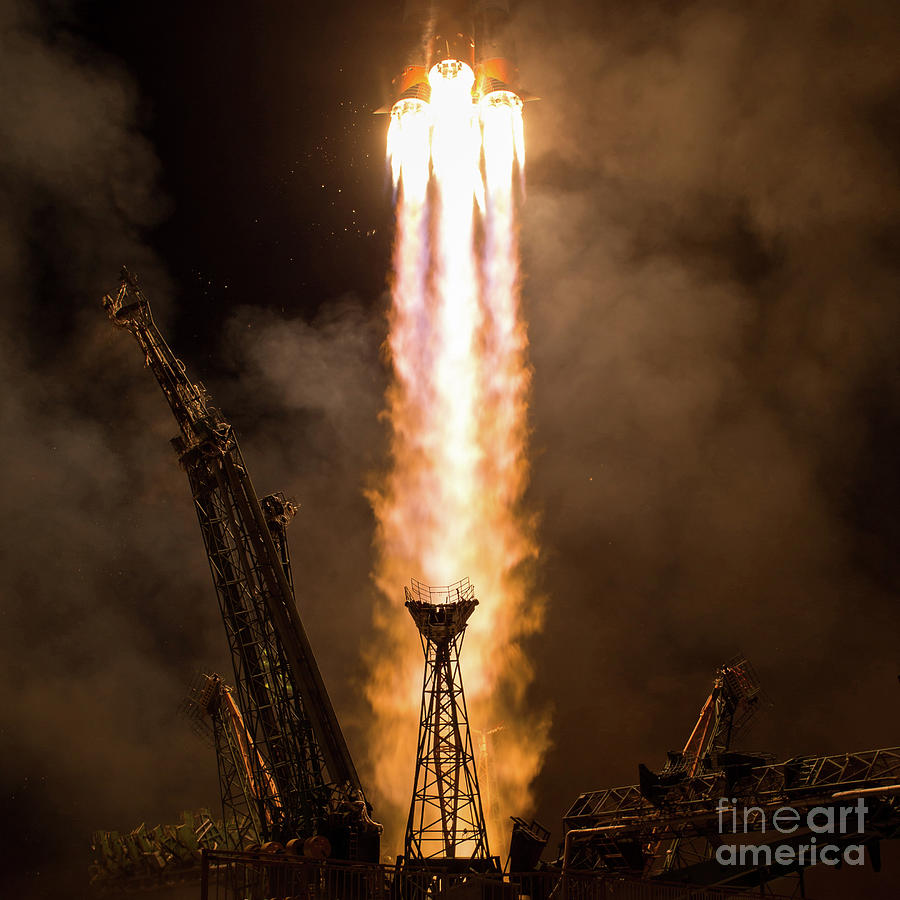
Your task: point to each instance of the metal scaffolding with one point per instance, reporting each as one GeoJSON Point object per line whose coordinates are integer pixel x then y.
{"type": "Point", "coordinates": [446, 821]}
{"type": "Point", "coordinates": [670, 824]}
{"type": "Point", "coordinates": [301, 780]}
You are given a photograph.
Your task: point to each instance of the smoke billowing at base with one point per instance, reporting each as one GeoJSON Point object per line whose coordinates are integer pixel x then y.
{"type": "Point", "coordinates": [709, 255]}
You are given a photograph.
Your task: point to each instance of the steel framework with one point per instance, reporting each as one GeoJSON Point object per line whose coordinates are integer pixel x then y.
{"type": "Point", "coordinates": [149, 858]}
{"type": "Point", "coordinates": [446, 821]}
{"type": "Point", "coordinates": [734, 699]}
{"type": "Point", "coordinates": [669, 825]}
{"type": "Point", "coordinates": [285, 706]}
{"type": "Point", "coordinates": [245, 800]}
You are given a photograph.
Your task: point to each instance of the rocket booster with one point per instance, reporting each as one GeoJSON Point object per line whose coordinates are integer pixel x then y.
{"type": "Point", "coordinates": [452, 36]}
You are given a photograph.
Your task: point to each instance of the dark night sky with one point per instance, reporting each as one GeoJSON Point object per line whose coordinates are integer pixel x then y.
{"type": "Point", "coordinates": [711, 247]}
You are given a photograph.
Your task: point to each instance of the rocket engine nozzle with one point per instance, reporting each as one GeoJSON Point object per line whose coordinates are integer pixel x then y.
{"type": "Point", "coordinates": [461, 38]}
{"type": "Point", "coordinates": [496, 75]}
{"type": "Point", "coordinates": [411, 88]}
{"type": "Point", "coordinates": [412, 84]}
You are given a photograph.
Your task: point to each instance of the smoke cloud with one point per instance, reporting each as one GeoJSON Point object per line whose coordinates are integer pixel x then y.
{"type": "Point", "coordinates": [710, 242]}
{"type": "Point", "coordinates": [710, 246]}
{"type": "Point", "coordinates": [108, 610]}
{"type": "Point", "coordinates": [102, 620]}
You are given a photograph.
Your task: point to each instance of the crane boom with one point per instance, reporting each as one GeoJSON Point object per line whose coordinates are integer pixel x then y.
{"type": "Point", "coordinates": [669, 825]}
{"type": "Point", "coordinates": [283, 697]}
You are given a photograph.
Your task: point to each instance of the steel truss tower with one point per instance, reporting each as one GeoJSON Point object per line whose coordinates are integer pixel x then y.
{"type": "Point", "coordinates": [446, 826]}
{"type": "Point", "coordinates": [245, 800]}
{"type": "Point", "coordinates": [300, 778]}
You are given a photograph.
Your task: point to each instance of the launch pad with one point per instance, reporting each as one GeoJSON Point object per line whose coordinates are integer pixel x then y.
{"type": "Point", "coordinates": [296, 818]}
{"type": "Point", "coordinates": [290, 789]}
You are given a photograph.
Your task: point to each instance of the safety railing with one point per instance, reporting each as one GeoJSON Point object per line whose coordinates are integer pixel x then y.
{"type": "Point", "coordinates": [282, 876]}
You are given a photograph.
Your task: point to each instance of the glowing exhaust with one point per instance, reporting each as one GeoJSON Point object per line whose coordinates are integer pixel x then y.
{"type": "Point", "coordinates": [450, 504]}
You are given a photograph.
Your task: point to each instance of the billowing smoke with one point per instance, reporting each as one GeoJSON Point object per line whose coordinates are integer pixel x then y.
{"type": "Point", "coordinates": [102, 626]}
{"type": "Point", "coordinates": [710, 248]}
{"type": "Point", "coordinates": [108, 610]}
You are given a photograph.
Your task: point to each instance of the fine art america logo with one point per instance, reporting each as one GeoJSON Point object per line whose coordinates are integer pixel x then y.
{"type": "Point", "coordinates": [821, 835]}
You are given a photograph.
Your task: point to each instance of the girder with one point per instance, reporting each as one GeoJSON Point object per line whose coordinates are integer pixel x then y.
{"type": "Point", "coordinates": [669, 825]}
{"type": "Point", "coordinates": [446, 820]}
{"type": "Point", "coordinates": [285, 706]}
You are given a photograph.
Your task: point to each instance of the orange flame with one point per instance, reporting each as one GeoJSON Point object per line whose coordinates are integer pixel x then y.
{"type": "Point", "coordinates": [450, 506]}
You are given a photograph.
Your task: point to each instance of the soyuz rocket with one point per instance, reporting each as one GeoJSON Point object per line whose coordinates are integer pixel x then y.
{"type": "Point", "coordinates": [451, 36]}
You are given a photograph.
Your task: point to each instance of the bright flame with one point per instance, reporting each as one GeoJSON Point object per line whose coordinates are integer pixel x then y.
{"type": "Point", "coordinates": [407, 147]}
{"type": "Point", "coordinates": [450, 505]}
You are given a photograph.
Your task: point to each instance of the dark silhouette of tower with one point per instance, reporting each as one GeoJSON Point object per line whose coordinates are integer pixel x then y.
{"type": "Point", "coordinates": [293, 764]}
{"type": "Point", "coordinates": [446, 827]}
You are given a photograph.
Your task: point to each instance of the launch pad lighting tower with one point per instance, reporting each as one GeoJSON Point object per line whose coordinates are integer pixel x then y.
{"type": "Point", "coordinates": [446, 827]}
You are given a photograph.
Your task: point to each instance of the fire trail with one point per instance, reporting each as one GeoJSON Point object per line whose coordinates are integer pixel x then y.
{"type": "Point", "coordinates": [450, 506]}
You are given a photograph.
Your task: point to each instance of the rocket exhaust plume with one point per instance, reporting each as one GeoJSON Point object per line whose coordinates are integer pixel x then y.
{"type": "Point", "coordinates": [450, 505]}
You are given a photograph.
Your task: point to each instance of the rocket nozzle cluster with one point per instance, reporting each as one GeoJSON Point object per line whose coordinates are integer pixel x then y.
{"type": "Point", "coordinates": [465, 33]}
